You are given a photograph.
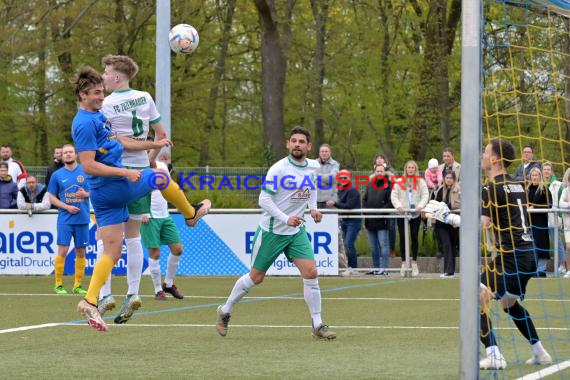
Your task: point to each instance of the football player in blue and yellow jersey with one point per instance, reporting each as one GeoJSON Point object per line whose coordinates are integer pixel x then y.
{"type": "Point", "coordinates": [111, 185]}
{"type": "Point", "coordinates": [68, 191]}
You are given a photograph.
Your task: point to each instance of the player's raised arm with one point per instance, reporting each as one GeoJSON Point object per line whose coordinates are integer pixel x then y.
{"type": "Point", "coordinates": [134, 145]}
{"type": "Point", "coordinates": [94, 168]}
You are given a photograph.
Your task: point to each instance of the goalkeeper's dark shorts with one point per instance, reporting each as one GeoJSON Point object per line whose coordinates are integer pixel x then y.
{"type": "Point", "coordinates": [509, 273]}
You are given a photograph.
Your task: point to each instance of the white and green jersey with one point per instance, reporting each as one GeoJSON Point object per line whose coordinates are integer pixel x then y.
{"type": "Point", "coordinates": [159, 205]}
{"type": "Point", "coordinates": [131, 113]}
{"type": "Point", "coordinates": [292, 186]}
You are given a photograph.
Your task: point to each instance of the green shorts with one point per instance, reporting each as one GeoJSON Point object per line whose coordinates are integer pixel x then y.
{"type": "Point", "coordinates": [142, 205]}
{"type": "Point", "coordinates": [267, 246]}
{"type": "Point", "coordinates": [159, 231]}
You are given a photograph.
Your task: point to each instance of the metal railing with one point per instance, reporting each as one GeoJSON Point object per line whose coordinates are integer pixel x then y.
{"type": "Point", "coordinates": [234, 175]}
{"type": "Point", "coordinates": [362, 213]}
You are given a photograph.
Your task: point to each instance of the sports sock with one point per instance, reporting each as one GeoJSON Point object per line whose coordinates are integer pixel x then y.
{"type": "Point", "coordinates": [79, 270]}
{"type": "Point", "coordinates": [135, 258]}
{"type": "Point", "coordinates": [154, 267]}
{"type": "Point", "coordinates": [312, 294]}
{"type": "Point", "coordinates": [106, 289]}
{"type": "Point", "coordinates": [58, 270]}
{"type": "Point", "coordinates": [493, 350]}
{"type": "Point", "coordinates": [241, 288]}
{"type": "Point", "coordinates": [487, 335]}
{"type": "Point", "coordinates": [171, 269]}
{"type": "Point", "coordinates": [174, 195]}
{"type": "Point", "coordinates": [102, 270]}
{"type": "Point", "coordinates": [537, 348]}
{"type": "Point", "coordinates": [524, 323]}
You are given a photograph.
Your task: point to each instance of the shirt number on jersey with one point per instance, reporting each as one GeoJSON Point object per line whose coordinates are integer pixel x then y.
{"type": "Point", "coordinates": [138, 127]}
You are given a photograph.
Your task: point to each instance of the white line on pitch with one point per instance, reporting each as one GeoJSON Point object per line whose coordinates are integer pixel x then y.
{"type": "Point", "coordinates": [33, 327]}
{"type": "Point", "coordinates": [304, 326]}
{"type": "Point", "coordinates": [546, 371]}
{"type": "Point", "coordinates": [285, 298]}
{"type": "Point", "coordinates": [46, 325]}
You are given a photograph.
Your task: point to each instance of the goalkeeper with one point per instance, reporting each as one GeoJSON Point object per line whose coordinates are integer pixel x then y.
{"type": "Point", "coordinates": [505, 277]}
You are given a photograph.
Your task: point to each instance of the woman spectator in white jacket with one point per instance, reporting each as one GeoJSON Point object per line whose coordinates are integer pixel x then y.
{"type": "Point", "coordinates": [565, 203]}
{"type": "Point", "coordinates": [555, 218]}
{"type": "Point", "coordinates": [412, 194]}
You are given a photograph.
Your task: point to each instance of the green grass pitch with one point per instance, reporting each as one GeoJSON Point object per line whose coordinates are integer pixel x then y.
{"type": "Point", "coordinates": [388, 328]}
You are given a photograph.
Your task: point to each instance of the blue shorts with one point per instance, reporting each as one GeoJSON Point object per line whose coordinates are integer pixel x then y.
{"type": "Point", "coordinates": [79, 232]}
{"type": "Point", "coordinates": [110, 201]}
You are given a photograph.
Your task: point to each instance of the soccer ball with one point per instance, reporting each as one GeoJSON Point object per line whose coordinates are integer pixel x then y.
{"type": "Point", "coordinates": [183, 39]}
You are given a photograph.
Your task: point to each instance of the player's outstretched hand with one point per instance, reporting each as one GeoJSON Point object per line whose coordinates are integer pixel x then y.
{"type": "Point", "coordinates": [317, 216]}
{"type": "Point", "coordinates": [72, 209]}
{"type": "Point", "coordinates": [81, 193]}
{"type": "Point", "coordinates": [133, 175]}
{"type": "Point", "coordinates": [163, 143]}
{"type": "Point", "coordinates": [295, 221]}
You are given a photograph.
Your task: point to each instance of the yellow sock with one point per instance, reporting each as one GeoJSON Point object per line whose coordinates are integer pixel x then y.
{"type": "Point", "coordinates": [101, 272]}
{"type": "Point", "coordinates": [176, 196]}
{"type": "Point", "coordinates": [58, 270]}
{"type": "Point", "coordinates": [79, 270]}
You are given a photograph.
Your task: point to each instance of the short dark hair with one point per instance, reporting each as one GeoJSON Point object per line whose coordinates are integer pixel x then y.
{"type": "Point", "coordinates": [448, 150]}
{"type": "Point", "coordinates": [528, 146]}
{"type": "Point", "coordinates": [58, 147]}
{"type": "Point", "coordinates": [85, 78]}
{"type": "Point", "coordinates": [301, 131]}
{"type": "Point", "coordinates": [6, 146]}
{"type": "Point", "coordinates": [3, 164]}
{"type": "Point", "coordinates": [504, 150]}
{"type": "Point", "coordinates": [451, 173]}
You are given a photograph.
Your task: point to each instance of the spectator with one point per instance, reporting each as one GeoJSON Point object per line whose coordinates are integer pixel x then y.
{"type": "Point", "coordinates": [523, 170]}
{"type": "Point", "coordinates": [16, 169]}
{"type": "Point", "coordinates": [449, 163]}
{"type": "Point", "coordinates": [166, 158]}
{"type": "Point", "coordinates": [414, 196]}
{"type": "Point", "coordinates": [380, 159]}
{"type": "Point", "coordinates": [434, 179]}
{"type": "Point", "coordinates": [348, 199]}
{"type": "Point", "coordinates": [8, 189]}
{"type": "Point", "coordinates": [33, 196]}
{"type": "Point", "coordinates": [378, 196]}
{"type": "Point", "coordinates": [539, 197]}
{"type": "Point", "coordinates": [565, 203]}
{"type": "Point", "coordinates": [555, 219]}
{"type": "Point", "coordinates": [447, 235]}
{"type": "Point", "coordinates": [433, 175]}
{"type": "Point", "coordinates": [327, 192]}
{"type": "Point", "coordinates": [56, 164]}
